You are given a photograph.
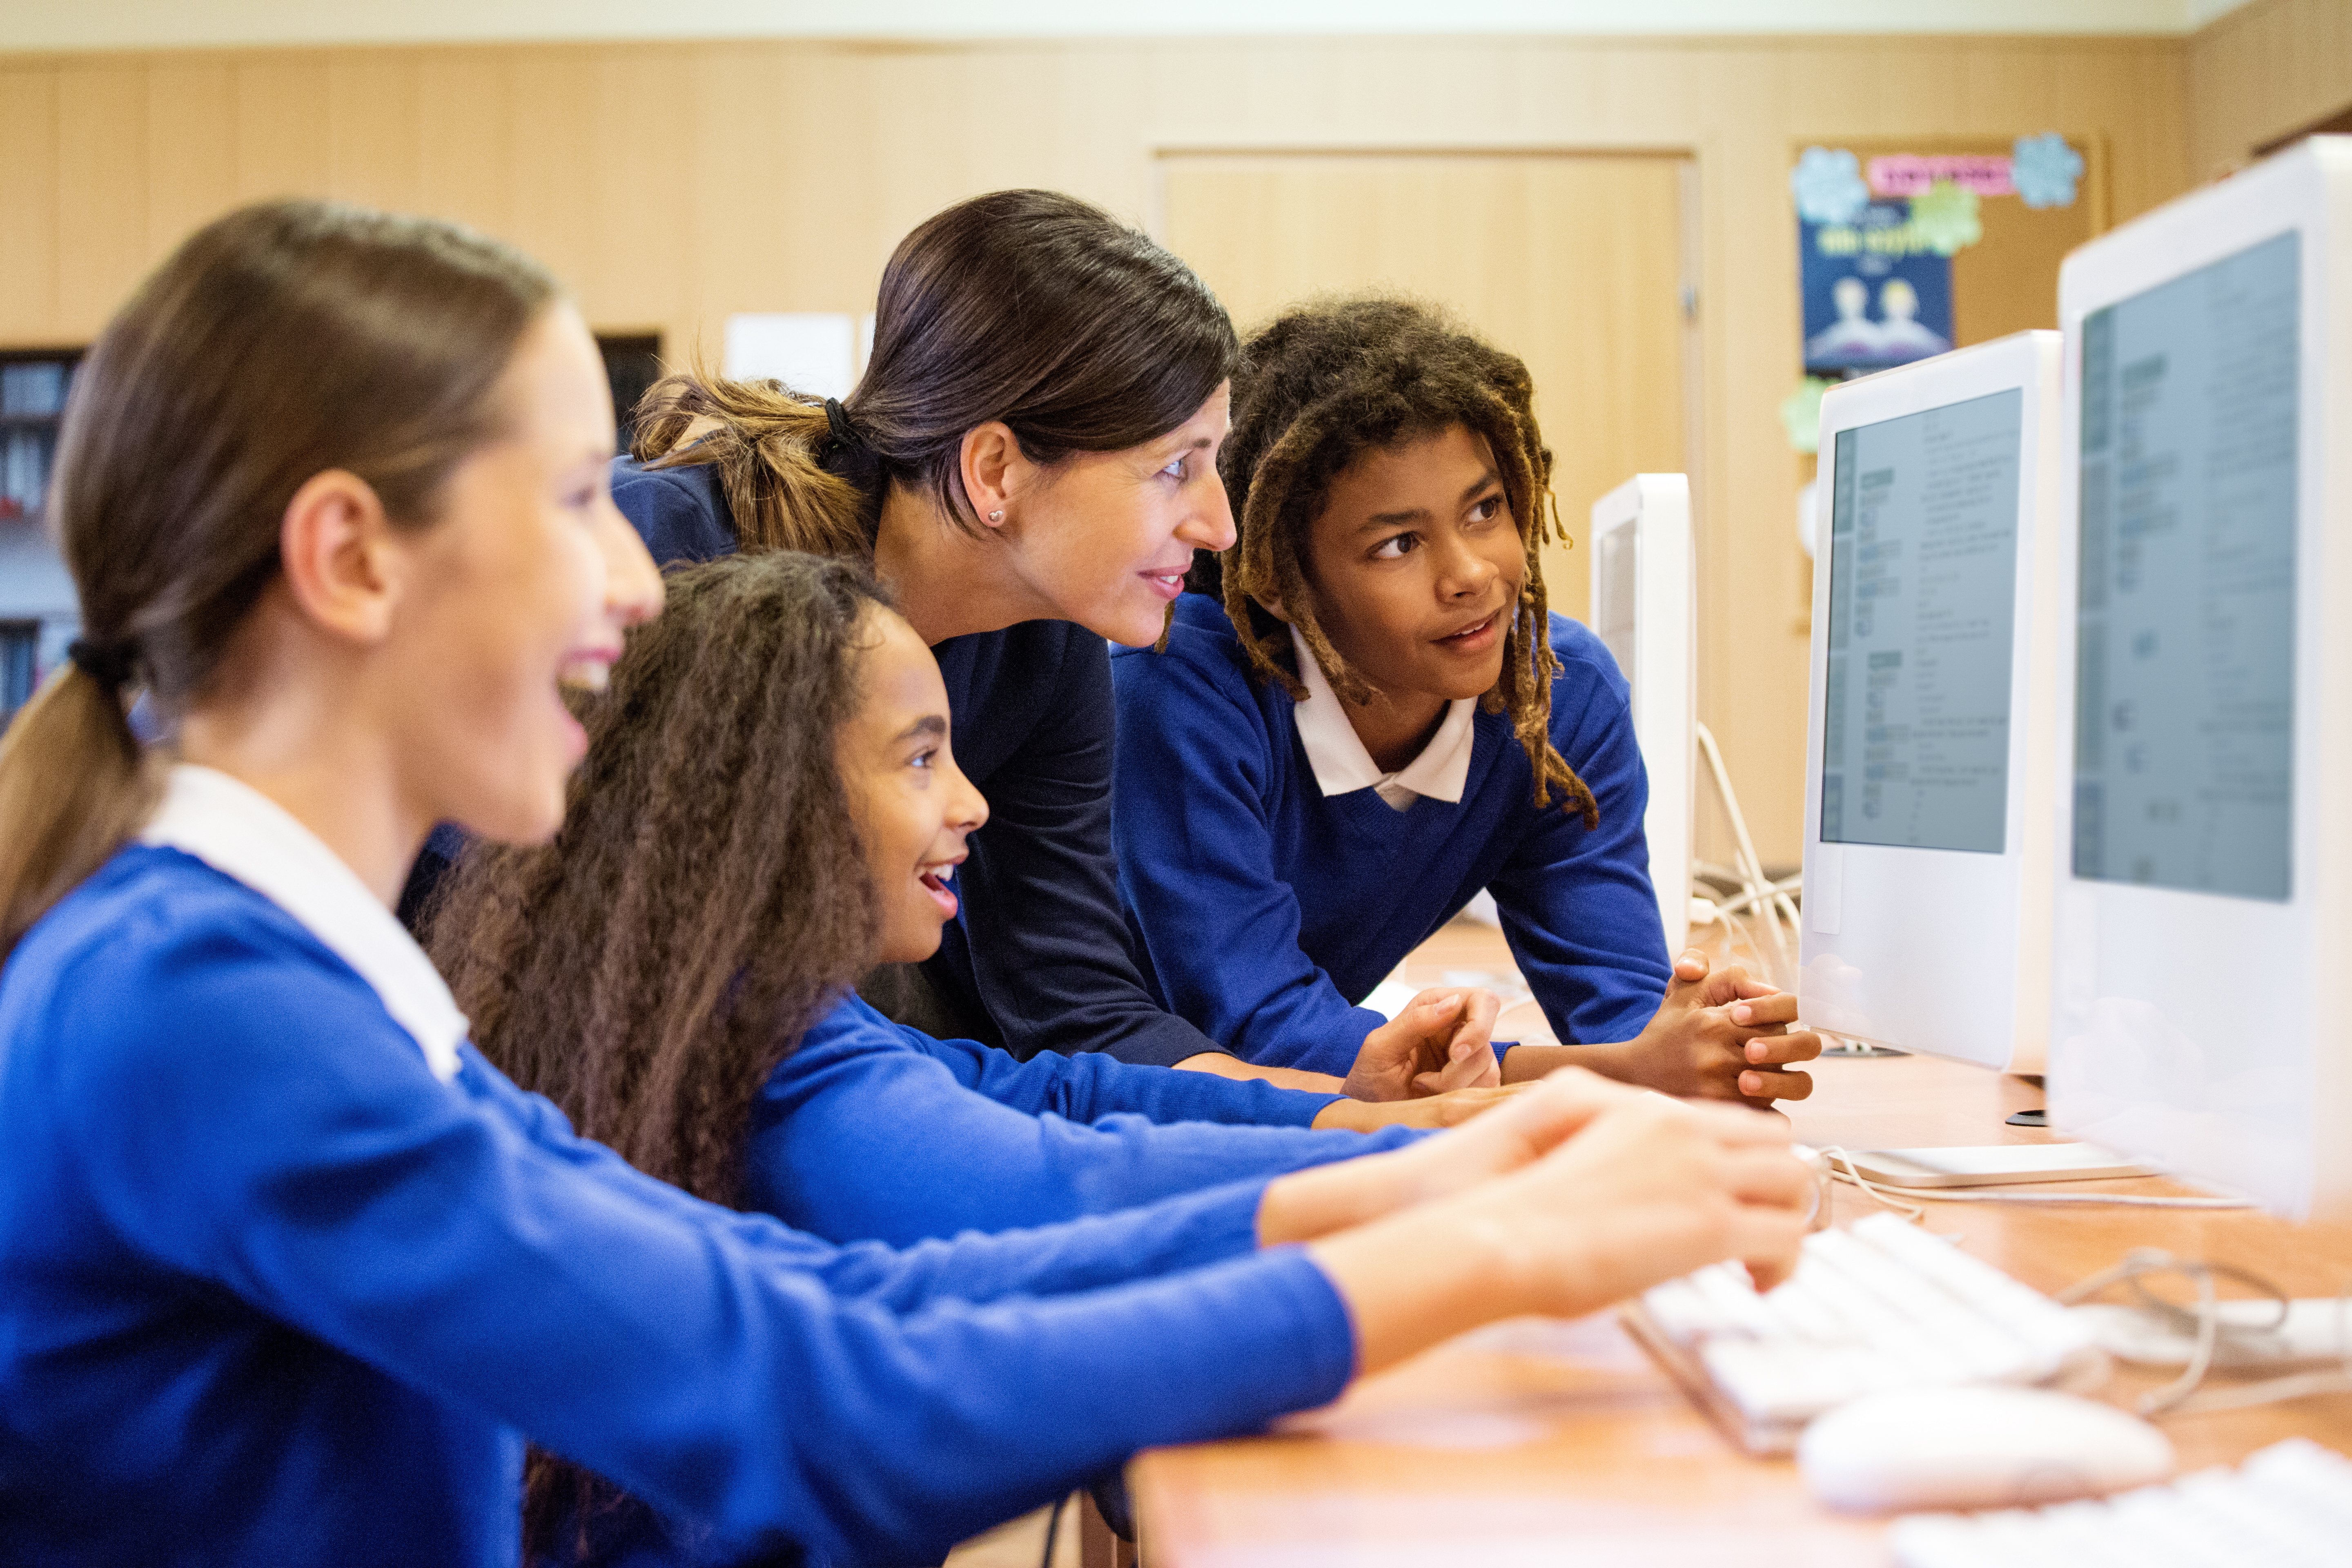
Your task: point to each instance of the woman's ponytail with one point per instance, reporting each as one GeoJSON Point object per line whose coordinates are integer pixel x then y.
{"type": "Point", "coordinates": [792, 480]}
{"type": "Point", "coordinates": [74, 788]}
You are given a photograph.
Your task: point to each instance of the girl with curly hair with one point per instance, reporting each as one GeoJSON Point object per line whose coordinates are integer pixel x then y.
{"type": "Point", "coordinates": [674, 971]}
{"type": "Point", "coordinates": [1383, 718]}
{"type": "Point", "coordinates": [769, 807]}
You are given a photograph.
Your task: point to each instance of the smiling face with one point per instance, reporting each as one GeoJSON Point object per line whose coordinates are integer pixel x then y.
{"type": "Point", "coordinates": [1416, 564]}
{"type": "Point", "coordinates": [522, 584]}
{"type": "Point", "coordinates": [912, 805]}
{"type": "Point", "coordinates": [1104, 539]}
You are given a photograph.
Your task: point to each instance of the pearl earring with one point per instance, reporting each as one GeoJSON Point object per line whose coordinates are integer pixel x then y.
{"type": "Point", "coordinates": [996, 516]}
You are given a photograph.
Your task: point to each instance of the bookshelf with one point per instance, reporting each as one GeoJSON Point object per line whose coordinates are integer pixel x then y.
{"type": "Point", "coordinates": [39, 612]}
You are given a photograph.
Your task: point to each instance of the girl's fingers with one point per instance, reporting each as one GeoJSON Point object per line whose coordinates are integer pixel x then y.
{"type": "Point", "coordinates": [1759, 1085]}
{"type": "Point", "coordinates": [1761, 1012]}
{"type": "Point", "coordinates": [1769, 1176]}
{"type": "Point", "coordinates": [1768, 1240]}
{"type": "Point", "coordinates": [1801, 1046]}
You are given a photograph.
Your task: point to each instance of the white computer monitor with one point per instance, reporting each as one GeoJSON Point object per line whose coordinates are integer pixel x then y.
{"type": "Point", "coordinates": [1931, 742]}
{"type": "Point", "coordinates": [2205, 897]}
{"type": "Point", "coordinates": [1645, 609]}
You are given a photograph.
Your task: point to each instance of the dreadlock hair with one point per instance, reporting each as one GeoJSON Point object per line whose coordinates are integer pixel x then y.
{"type": "Point", "coordinates": [1323, 384]}
{"type": "Point", "coordinates": [1029, 307]}
{"type": "Point", "coordinates": [707, 898]}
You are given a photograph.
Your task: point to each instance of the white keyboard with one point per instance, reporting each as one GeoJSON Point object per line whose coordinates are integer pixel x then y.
{"type": "Point", "coordinates": [1883, 1305]}
{"type": "Point", "coordinates": [2288, 1506]}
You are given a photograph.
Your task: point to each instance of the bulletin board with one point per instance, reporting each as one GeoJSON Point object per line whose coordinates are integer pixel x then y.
{"type": "Point", "coordinates": [2004, 277]}
{"type": "Point", "coordinates": [2000, 276]}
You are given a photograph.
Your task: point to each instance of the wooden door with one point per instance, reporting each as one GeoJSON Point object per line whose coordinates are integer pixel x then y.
{"type": "Point", "coordinates": [1574, 262]}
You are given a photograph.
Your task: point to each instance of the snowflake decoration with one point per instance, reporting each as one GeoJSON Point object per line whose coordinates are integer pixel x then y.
{"type": "Point", "coordinates": [1944, 216]}
{"type": "Point", "coordinates": [2044, 169]}
{"type": "Point", "coordinates": [1829, 186]}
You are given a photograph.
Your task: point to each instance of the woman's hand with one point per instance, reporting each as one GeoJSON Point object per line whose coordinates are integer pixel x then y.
{"type": "Point", "coordinates": [1642, 1190]}
{"type": "Point", "coordinates": [1442, 1041]}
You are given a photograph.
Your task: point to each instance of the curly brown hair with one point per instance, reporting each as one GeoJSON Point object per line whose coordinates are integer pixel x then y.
{"type": "Point", "coordinates": [707, 898]}
{"type": "Point", "coordinates": [1317, 388]}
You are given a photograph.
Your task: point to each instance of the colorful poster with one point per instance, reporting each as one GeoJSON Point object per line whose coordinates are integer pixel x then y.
{"type": "Point", "coordinates": [1876, 292]}
{"type": "Point", "coordinates": [1874, 248]}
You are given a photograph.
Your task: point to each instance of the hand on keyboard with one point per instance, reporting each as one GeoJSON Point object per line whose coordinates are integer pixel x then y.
{"type": "Point", "coordinates": [1647, 1188]}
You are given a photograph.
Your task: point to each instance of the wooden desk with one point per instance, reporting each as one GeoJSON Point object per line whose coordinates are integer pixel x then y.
{"type": "Point", "coordinates": [1555, 1443]}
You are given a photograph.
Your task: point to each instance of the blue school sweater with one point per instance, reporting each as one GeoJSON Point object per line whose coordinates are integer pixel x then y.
{"type": "Point", "coordinates": [1264, 910]}
{"type": "Point", "coordinates": [1039, 949]}
{"type": "Point", "coordinates": [872, 1130]}
{"type": "Point", "coordinates": [276, 1292]}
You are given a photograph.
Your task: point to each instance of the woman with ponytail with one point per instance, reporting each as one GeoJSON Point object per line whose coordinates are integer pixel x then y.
{"type": "Point", "coordinates": [293, 1274]}
{"type": "Point", "coordinates": [1029, 463]}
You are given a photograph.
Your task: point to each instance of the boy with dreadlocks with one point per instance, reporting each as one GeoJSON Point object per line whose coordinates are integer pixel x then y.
{"type": "Point", "coordinates": [1383, 718]}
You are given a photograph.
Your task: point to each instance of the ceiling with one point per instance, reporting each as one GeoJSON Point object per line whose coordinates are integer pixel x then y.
{"type": "Point", "coordinates": [58, 24]}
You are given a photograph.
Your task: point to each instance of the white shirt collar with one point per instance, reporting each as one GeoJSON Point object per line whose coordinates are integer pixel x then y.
{"type": "Point", "coordinates": [1341, 764]}
{"type": "Point", "coordinates": [242, 833]}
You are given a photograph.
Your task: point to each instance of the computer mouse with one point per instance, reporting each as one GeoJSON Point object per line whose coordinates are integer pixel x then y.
{"type": "Point", "coordinates": [1975, 1448]}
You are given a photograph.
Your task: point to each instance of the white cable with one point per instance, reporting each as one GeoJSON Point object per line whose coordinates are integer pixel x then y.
{"type": "Point", "coordinates": [2183, 1395]}
{"type": "Point", "coordinates": [1880, 1191]}
{"type": "Point", "coordinates": [1776, 892]}
{"type": "Point", "coordinates": [1751, 869]}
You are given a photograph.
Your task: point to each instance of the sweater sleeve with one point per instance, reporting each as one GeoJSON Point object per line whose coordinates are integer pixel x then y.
{"type": "Point", "coordinates": [1195, 845]}
{"type": "Point", "coordinates": [1046, 942]}
{"type": "Point", "coordinates": [1576, 907]}
{"type": "Point", "coordinates": [935, 1151]}
{"type": "Point", "coordinates": [287, 1145]}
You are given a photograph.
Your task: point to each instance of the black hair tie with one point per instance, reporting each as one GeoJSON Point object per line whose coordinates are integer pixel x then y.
{"type": "Point", "coordinates": [110, 664]}
{"type": "Point", "coordinates": [846, 452]}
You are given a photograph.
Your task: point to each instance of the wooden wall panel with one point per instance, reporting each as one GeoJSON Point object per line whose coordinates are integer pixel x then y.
{"type": "Point", "coordinates": [283, 140]}
{"type": "Point", "coordinates": [553, 179]}
{"type": "Point", "coordinates": [102, 222]}
{"type": "Point", "coordinates": [466, 131]}
{"type": "Point", "coordinates": [191, 149]}
{"type": "Point", "coordinates": [670, 184]}
{"type": "Point", "coordinates": [2263, 72]}
{"type": "Point", "coordinates": [375, 131]}
{"type": "Point", "coordinates": [29, 316]}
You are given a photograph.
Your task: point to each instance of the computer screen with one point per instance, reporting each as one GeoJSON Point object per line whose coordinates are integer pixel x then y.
{"type": "Point", "coordinates": [1922, 607]}
{"type": "Point", "coordinates": [1615, 583]}
{"type": "Point", "coordinates": [2184, 679]}
{"type": "Point", "coordinates": [1646, 612]}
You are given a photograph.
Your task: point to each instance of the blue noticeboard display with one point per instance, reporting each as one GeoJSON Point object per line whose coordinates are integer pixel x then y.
{"type": "Point", "coordinates": [1874, 293]}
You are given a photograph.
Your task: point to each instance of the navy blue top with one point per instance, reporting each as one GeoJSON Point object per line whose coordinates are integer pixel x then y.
{"type": "Point", "coordinates": [275, 1293]}
{"type": "Point", "coordinates": [872, 1130]}
{"type": "Point", "coordinates": [1039, 947]}
{"type": "Point", "coordinates": [1264, 908]}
